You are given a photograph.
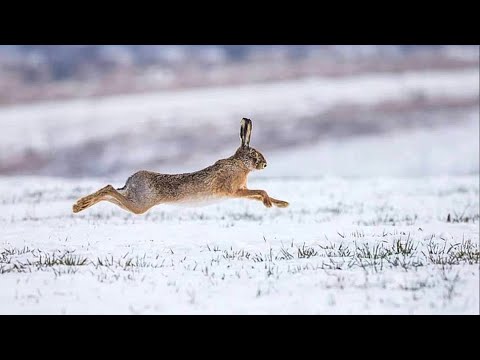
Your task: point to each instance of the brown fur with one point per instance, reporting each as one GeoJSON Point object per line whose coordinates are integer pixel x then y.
{"type": "Point", "coordinates": [227, 178]}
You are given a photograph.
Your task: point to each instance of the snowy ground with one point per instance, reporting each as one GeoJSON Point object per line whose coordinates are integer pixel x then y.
{"type": "Point", "coordinates": [372, 245]}
{"type": "Point", "coordinates": [374, 225]}
{"type": "Point", "coordinates": [450, 149]}
{"type": "Point", "coordinates": [188, 129]}
{"type": "Point", "coordinates": [77, 121]}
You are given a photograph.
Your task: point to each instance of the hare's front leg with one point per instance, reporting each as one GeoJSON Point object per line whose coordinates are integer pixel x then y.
{"type": "Point", "coordinates": [279, 203]}
{"type": "Point", "coordinates": [261, 195]}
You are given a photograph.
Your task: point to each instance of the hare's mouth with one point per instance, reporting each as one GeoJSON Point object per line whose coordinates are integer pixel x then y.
{"type": "Point", "coordinates": [261, 165]}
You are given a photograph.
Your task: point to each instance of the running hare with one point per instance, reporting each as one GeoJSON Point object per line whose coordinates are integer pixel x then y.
{"type": "Point", "coordinates": [227, 178]}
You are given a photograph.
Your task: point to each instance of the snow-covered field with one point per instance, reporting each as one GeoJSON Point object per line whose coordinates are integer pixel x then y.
{"type": "Point", "coordinates": [372, 245]}
{"type": "Point", "coordinates": [384, 215]}
{"type": "Point", "coordinates": [187, 129]}
{"type": "Point", "coordinates": [39, 125]}
{"type": "Point", "coordinates": [450, 149]}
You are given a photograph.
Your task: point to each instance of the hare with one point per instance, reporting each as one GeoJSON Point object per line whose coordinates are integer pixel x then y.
{"type": "Point", "coordinates": [227, 178]}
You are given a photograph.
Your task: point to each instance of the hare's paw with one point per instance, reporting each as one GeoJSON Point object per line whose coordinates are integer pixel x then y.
{"type": "Point", "coordinates": [76, 208]}
{"type": "Point", "coordinates": [281, 204]}
{"type": "Point", "coordinates": [81, 204]}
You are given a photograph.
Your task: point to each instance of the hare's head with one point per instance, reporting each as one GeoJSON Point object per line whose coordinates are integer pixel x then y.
{"type": "Point", "coordinates": [252, 158]}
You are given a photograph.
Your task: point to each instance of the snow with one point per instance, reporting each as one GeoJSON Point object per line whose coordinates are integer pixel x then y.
{"type": "Point", "coordinates": [54, 125]}
{"type": "Point", "coordinates": [227, 258]}
{"type": "Point", "coordinates": [382, 223]}
{"type": "Point", "coordinates": [451, 149]}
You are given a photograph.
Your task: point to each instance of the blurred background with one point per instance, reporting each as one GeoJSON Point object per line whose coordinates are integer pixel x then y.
{"type": "Point", "coordinates": [346, 110]}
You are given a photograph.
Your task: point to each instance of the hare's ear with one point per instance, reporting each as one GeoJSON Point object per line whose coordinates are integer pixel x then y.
{"type": "Point", "coordinates": [245, 131]}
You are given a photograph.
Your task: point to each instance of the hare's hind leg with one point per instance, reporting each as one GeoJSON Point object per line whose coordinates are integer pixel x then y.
{"type": "Point", "coordinates": [108, 193]}
{"type": "Point", "coordinates": [90, 200]}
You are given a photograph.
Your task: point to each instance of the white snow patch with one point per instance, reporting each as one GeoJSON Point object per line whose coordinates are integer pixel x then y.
{"type": "Point", "coordinates": [239, 257]}
{"type": "Point", "coordinates": [53, 125]}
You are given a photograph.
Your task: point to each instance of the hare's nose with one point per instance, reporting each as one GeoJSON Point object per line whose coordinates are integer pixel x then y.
{"type": "Point", "coordinates": [264, 165]}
